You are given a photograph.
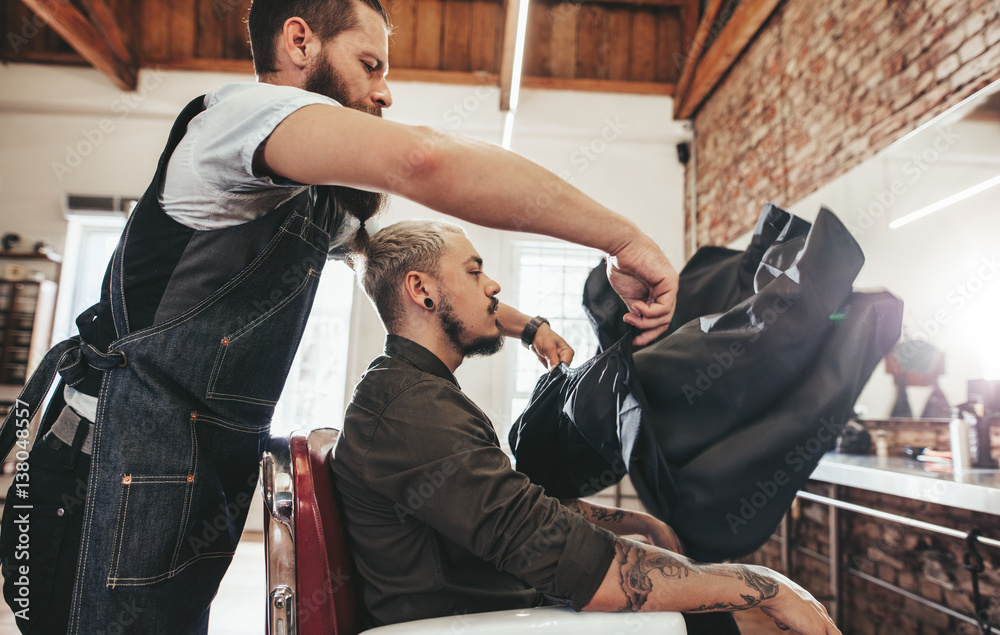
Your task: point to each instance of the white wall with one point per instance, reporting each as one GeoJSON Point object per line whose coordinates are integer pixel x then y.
{"type": "Point", "coordinates": [69, 130]}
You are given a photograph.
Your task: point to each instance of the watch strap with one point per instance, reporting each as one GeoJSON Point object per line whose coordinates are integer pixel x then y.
{"type": "Point", "coordinates": [530, 329]}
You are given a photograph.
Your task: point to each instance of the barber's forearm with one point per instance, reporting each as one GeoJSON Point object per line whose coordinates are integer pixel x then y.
{"type": "Point", "coordinates": [490, 186]}
{"type": "Point", "coordinates": [642, 577]}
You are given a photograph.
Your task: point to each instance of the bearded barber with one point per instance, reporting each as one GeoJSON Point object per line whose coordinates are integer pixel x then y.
{"type": "Point", "coordinates": [170, 388]}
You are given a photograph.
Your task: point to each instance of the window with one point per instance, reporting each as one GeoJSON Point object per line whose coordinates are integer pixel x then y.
{"type": "Point", "coordinates": [90, 241]}
{"type": "Point", "coordinates": [314, 392]}
{"type": "Point", "coordinates": [549, 279]}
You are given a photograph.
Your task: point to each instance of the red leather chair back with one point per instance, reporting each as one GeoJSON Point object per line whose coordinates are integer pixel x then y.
{"type": "Point", "coordinates": [327, 601]}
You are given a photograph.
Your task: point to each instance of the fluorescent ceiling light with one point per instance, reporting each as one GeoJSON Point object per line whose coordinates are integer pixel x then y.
{"type": "Point", "coordinates": [945, 202]}
{"type": "Point", "coordinates": [522, 28]}
{"type": "Point", "coordinates": [518, 63]}
{"type": "Point", "coordinates": [508, 129]}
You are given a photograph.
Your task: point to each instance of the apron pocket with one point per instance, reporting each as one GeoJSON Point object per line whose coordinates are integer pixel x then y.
{"type": "Point", "coordinates": [146, 543]}
{"type": "Point", "coordinates": [246, 368]}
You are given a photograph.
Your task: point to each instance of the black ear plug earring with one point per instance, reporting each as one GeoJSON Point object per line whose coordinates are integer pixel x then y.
{"type": "Point", "coordinates": [428, 303]}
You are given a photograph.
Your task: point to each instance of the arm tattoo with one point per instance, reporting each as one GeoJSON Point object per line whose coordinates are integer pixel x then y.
{"type": "Point", "coordinates": [593, 512]}
{"type": "Point", "coordinates": [763, 587]}
{"type": "Point", "coordinates": [607, 515]}
{"type": "Point", "coordinates": [636, 567]}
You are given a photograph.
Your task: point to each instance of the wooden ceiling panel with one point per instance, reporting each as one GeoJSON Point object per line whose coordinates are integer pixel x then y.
{"type": "Point", "coordinates": [427, 47]}
{"type": "Point", "coordinates": [27, 35]}
{"type": "Point", "coordinates": [486, 35]}
{"type": "Point", "coordinates": [582, 41]}
{"type": "Point", "coordinates": [538, 41]}
{"type": "Point", "coordinates": [669, 38]}
{"type": "Point", "coordinates": [457, 38]}
{"type": "Point", "coordinates": [233, 24]}
{"type": "Point", "coordinates": [182, 29]}
{"type": "Point", "coordinates": [642, 65]}
{"type": "Point", "coordinates": [403, 15]}
{"type": "Point", "coordinates": [208, 42]}
{"type": "Point", "coordinates": [592, 45]}
{"type": "Point", "coordinates": [562, 57]}
{"type": "Point", "coordinates": [155, 20]}
{"type": "Point", "coordinates": [619, 22]}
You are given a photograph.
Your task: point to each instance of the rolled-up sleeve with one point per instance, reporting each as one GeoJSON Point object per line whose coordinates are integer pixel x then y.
{"type": "Point", "coordinates": [454, 478]}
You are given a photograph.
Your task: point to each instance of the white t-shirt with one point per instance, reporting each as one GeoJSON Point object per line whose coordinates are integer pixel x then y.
{"type": "Point", "coordinates": [210, 182]}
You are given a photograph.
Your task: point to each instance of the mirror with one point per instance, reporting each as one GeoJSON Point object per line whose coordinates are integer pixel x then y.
{"type": "Point", "coordinates": [926, 212]}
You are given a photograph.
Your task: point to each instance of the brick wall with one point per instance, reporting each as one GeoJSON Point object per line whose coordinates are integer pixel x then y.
{"type": "Point", "coordinates": [926, 564]}
{"type": "Point", "coordinates": [826, 85]}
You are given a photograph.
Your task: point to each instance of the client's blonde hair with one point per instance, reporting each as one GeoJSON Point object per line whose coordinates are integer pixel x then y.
{"type": "Point", "coordinates": [392, 252]}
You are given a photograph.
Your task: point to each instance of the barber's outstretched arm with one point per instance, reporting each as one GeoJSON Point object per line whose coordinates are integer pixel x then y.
{"type": "Point", "coordinates": [626, 522]}
{"type": "Point", "coordinates": [549, 346]}
{"type": "Point", "coordinates": [646, 578]}
{"type": "Point", "coordinates": [476, 182]}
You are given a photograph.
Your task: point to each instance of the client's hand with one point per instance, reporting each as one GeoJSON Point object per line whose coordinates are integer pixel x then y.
{"type": "Point", "coordinates": [550, 348]}
{"type": "Point", "coordinates": [794, 609]}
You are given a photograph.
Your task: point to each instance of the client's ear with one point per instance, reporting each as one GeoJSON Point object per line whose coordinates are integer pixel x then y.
{"type": "Point", "coordinates": [421, 290]}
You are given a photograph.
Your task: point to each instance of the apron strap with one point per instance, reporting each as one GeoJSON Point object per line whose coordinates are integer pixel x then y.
{"type": "Point", "coordinates": [119, 311]}
{"type": "Point", "coordinates": [116, 281]}
{"type": "Point", "coordinates": [71, 359]}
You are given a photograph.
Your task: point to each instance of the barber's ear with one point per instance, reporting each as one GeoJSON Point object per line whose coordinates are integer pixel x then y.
{"type": "Point", "coordinates": [420, 288]}
{"type": "Point", "coordinates": [298, 42]}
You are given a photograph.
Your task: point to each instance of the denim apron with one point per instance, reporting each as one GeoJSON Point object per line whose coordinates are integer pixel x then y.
{"type": "Point", "coordinates": [184, 408]}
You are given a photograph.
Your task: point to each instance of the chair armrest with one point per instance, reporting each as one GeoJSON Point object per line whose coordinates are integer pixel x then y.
{"type": "Point", "coordinates": [544, 620]}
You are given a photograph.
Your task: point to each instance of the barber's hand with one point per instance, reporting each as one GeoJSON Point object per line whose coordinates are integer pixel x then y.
{"type": "Point", "coordinates": [793, 609]}
{"type": "Point", "coordinates": [646, 281]}
{"type": "Point", "coordinates": [550, 348]}
{"type": "Point", "coordinates": [659, 534]}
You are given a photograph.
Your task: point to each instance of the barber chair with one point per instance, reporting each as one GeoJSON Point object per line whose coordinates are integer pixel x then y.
{"type": "Point", "coordinates": [314, 590]}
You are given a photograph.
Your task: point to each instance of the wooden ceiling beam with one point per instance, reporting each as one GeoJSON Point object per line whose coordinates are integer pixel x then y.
{"type": "Point", "coordinates": [102, 17]}
{"type": "Point", "coordinates": [694, 50]}
{"type": "Point", "coordinates": [477, 78]}
{"type": "Point", "coordinates": [79, 33]}
{"type": "Point", "coordinates": [599, 85]}
{"type": "Point", "coordinates": [634, 3]}
{"type": "Point", "coordinates": [746, 21]}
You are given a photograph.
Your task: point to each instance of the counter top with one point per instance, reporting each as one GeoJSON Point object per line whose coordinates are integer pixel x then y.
{"type": "Point", "coordinates": [975, 490]}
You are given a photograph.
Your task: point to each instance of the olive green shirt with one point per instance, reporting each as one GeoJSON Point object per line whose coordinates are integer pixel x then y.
{"type": "Point", "coordinates": [439, 521]}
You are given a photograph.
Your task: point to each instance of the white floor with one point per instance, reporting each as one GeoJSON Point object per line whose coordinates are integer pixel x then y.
{"type": "Point", "coordinates": [238, 608]}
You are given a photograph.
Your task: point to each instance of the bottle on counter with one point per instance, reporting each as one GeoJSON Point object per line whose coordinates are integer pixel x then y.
{"type": "Point", "coordinates": [958, 430]}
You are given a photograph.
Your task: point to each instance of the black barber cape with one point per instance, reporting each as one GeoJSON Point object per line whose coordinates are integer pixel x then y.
{"type": "Point", "coordinates": [720, 422]}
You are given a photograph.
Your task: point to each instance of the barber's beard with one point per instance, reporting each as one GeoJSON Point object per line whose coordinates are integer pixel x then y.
{"type": "Point", "coordinates": [455, 329]}
{"type": "Point", "coordinates": [325, 80]}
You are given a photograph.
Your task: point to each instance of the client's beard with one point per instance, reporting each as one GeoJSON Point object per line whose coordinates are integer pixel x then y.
{"type": "Point", "coordinates": [454, 328]}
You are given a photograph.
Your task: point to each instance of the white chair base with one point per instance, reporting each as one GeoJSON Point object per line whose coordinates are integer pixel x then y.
{"type": "Point", "coordinates": [545, 620]}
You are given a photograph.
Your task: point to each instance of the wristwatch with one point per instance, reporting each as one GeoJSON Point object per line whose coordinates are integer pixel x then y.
{"type": "Point", "coordinates": [528, 334]}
